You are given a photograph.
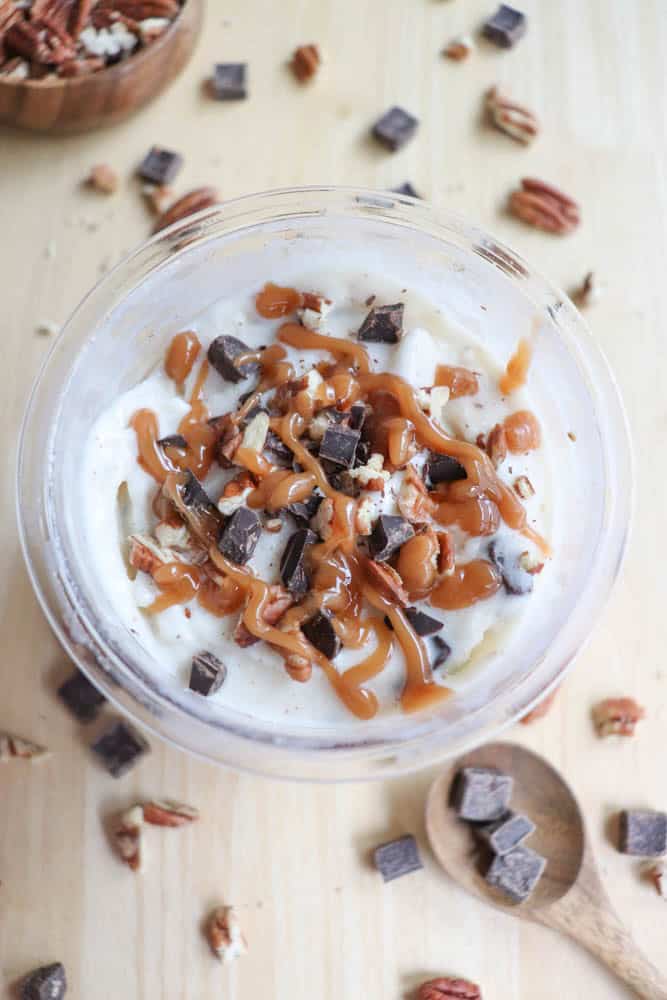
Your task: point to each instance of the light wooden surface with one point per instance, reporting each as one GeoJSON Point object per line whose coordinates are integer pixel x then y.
{"type": "Point", "coordinates": [294, 858]}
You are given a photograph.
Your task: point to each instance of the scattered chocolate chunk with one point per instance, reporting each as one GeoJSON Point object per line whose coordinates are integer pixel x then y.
{"type": "Point", "coordinates": [383, 325]}
{"type": "Point", "coordinates": [482, 794]}
{"type": "Point", "coordinates": [515, 579]}
{"type": "Point", "coordinates": [339, 445]}
{"type": "Point", "coordinates": [389, 533]}
{"type": "Point", "coordinates": [160, 166]}
{"type": "Point", "coordinates": [303, 510]}
{"type": "Point", "coordinates": [643, 833]}
{"type": "Point", "coordinates": [395, 128]}
{"type": "Point", "coordinates": [516, 873]}
{"type": "Point", "coordinates": [46, 983]}
{"type": "Point", "coordinates": [224, 353]}
{"type": "Point", "coordinates": [194, 505]}
{"type": "Point", "coordinates": [397, 857]}
{"type": "Point", "coordinates": [228, 82]}
{"type": "Point", "coordinates": [406, 188]}
{"type": "Point", "coordinates": [206, 674]}
{"type": "Point", "coordinates": [442, 652]}
{"type": "Point", "coordinates": [293, 570]}
{"type": "Point", "coordinates": [172, 441]}
{"type": "Point", "coordinates": [443, 469]}
{"type": "Point", "coordinates": [277, 450]}
{"type": "Point", "coordinates": [120, 748]}
{"type": "Point", "coordinates": [422, 623]}
{"type": "Point", "coordinates": [319, 631]}
{"type": "Point", "coordinates": [506, 27]}
{"type": "Point", "coordinates": [240, 536]}
{"type": "Point", "coordinates": [507, 833]}
{"type": "Point", "coordinates": [356, 416]}
{"type": "Point", "coordinates": [362, 454]}
{"type": "Point", "coordinates": [81, 697]}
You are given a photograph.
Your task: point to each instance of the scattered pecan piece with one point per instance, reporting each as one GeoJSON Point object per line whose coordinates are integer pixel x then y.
{"type": "Point", "coordinates": [164, 812]}
{"type": "Point", "coordinates": [510, 117]}
{"type": "Point", "coordinates": [141, 10]}
{"type": "Point", "coordinates": [413, 500]}
{"type": "Point", "coordinates": [449, 988]}
{"type": "Point", "coordinates": [588, 292]}
{"type": "Point", "coordinates": [235, 493]}
{"type": "Point", "coordinates": [274, 525]}
{"type": "Point", "coordinates": [617, 716]}
{"type": "Point", "coordinates": [81, 67]}
{"type": "Point", "coordinates": [459, 48]}
{"type": "Point", "coordinates": [545, 207]}
{"type": "Point", "coordinates": [41, 42]}
{"type": "Point", "coordinates": [305, 62]}
{"type": "Point", "coordinates": [16, 746]}
{"type": "Point", "coordinates": [298, 667]}
{"type": "Point", "coordinates": [157, 196]}
{"type": "Point", "coordinates": [524, 487]}
{"type": "Point", "coordinates": [541, 709]}
{"type": "Point", "coordinates": [529, 563]}
{"type": "Point", "coordinates": [279, 601]}
{"type": "Point", "coordinates": [387, 582]}
{"type": "Point", "coordinates": [127, 837]}
{"type": "Point", "coordinates": [145, 555]}
{"type": "Point", "coordinates": [496, 445]}
{"type": "Point", "coordinates": [69, 15]}
{"type": "Point", "coordinates": [229, 437]}
{"type": "Point", "coordinates": [102, 178]}
{"type": "Point", "coordinates": [223, 933]}
{"type": "Point", "coordinates": [193, 201]}
{"type": "Point", "coordinates": [657, 874]}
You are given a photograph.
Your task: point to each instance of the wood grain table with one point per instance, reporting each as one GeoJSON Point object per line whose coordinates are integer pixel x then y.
{"type": "Point", "coordinates": [293, 858]}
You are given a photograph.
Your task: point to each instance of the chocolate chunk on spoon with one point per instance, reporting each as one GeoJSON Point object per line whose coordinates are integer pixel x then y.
{"type": "Point", "coordinates": [482, 794]}
{"type": "Point", "coordinates": [224, 355]}
{"type": "Point", "coordinates": [516, 873]}
{"type": "Point", "coordinates": [507, 833]}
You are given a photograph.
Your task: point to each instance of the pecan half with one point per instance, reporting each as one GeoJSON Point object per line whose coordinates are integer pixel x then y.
{"type": "Point", "coordinates": [164, 812]}
{"type": "Point", "coordinates": [617, 716]}
{"type": "Point", "coordinates": [141, 10]}
{"type": "Point", "coordinates": [41, 42]}
{"type": "Point", "coordinates": [69, 15]}
{"type": "Point", "coordinates": [387, 582]}
{"type": "Point", "coordinates": [16, 746]}
{"type": "Point", "coordinates": [544, 207]}
{"type": "Point", "coordinates": [305, 62]}
{"type": "Point", "coordinates": [193, 201]}
{"type": "Point", "coordinates": [224, 934]}
{"type": "Point", "coordinates": [540, 710]}
{"type": "Point", "coordinates": [127, 837]}
{"type": "Point", "coordinates": [496, 445]}
{"type": "Point", "coordinates": [510, 117]}
{"type": "Point", "coordinates": [449, 988]}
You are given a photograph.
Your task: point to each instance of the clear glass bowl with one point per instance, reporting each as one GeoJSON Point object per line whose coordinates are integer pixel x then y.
{"type": "Point", "coordinates": [120, 331]}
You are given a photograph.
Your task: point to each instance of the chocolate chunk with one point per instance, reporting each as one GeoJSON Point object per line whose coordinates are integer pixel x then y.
{"type": "Point", "coordinates": [406, 188]}
{"type": "Point", "coordinates": [228, 82]}
{"type": "Point", "coordinates": [173, 441]}
{"type": "Point", "coordinates": [516, 873]}
{"type": "Point", "coordinates": [223, 354]}
{"type": "Point", "coordinates": [442, 652]}
{"type": "Point", "coordinates": [160, 166]}
{"type": "Point", "coordinates": [395, 128]}
{"type": "Point", "coordinates": [397, 857]}
{"type": "Point", "coordinates": [643, 833]}
{"type": "Point", "coordinates": [383, 325]}
{"type": "Point", "coordinates": [303, 510]}
{"type": "Point", "coordinates": [422, 623]}
{"type": "Point", "coordinates": [319, 631]}
{"type": "Point", "coordinates": [207, 673]}
{"type": "Point", "coordinates": [277, 450]}
{"type": "Point", "coordinates": [46, 983]}
{"type": "Point", "coordinates": [363, 453]}
{"type": "Point", "coordinates": [195, 506]}
{"type": "Point", "coordinates": [515, 579]}
{"type": "Point", "coordinates": [81, 697]}
{"type": "Point", "coordinates": [357, 416]}
{"type": "Point", "coordinates": [506, 27]}
{"type": "Point", "coordinates": [443, 469]}
{"type": "Point", "coordinates": [389, 532]}
{"type": "Point", "coordinates": [120, 748]}
{"type": "Point", "coordinates": [482, 794]}
{"type": "Point", "coordinates": [339, 445]}
{"type": "Point", "coordinates": [240, 536]}
{"type": "Point", "coordinates": [507, 833]}
{"type": "Point", "coordinates": [293, 570]}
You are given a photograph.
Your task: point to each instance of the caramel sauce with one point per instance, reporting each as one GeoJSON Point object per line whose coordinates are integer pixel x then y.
{"type": "Point", "coordinates": [195, 429]}
{"type": "Point", "coordinates": [256, 463]}
{"type": "Point", "coordinates": [459, 381]}
{"type": "Point", "coordinates": [517, 368]}
{"type": "Point", "coordinates": [220, 599]}
{"type": "Point", "coordinates": [178, 583]}
{"type": "Point", "coordinates": [469, 583]}
{"type": "Point", "coordinates": [281, 488]}
{"type": "Point", "coordinates": [274, 302]}
{"type": "Point", "coordinates": [400, 441]}
{"type": "Point", "coordinates": [181, 356]}
{"type": "Point", "coordinates": [384, 408]}
{"type": "Point", "coordinates": [299, 336]}
{"type": "Point", "coordinates": [417, 564]}
{"type": "Point", "coordinates": [150, 457]}
{"type": "Point", "coordinates": [523, 432]}
{"type": "Point", "coordinates": [477, 515]}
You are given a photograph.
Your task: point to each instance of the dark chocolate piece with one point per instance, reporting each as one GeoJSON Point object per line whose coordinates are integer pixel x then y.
{"type": "Point", "coordinates": [516, 873]}
{"type": "Point", "coordinates": [363, 453]}
{"type": "Point", "coordinates": [277, 450]}
{"type": "Point", "coordinates": [228, 82]}
{"type": "Point", "coordinates": [397, 857]}
{"type": "Point", "coordinates": [383, 325]}
{"type": "Point", "coordinates": [389, 532]}
{"type": "Point", "coordinates": [443, 469]}
{"type": "Point", "coordinates": [120, 748]}
{"type": "Point", "coordinates": [195, 506]}
{"type": "Point", "coordinates": [160, 166]}
{"type": "Point", "coordinates": [207, 673]}
{"type": "Point", "coordinates": [507, 833]}
{"type": "Point", "coordinates": [81, 697]}
{"type": "Point", "coordinates": [505, 27]}
{"type": "Point", "coordinates": [515, 579]}
{"type": "Point", "coordinates": [303, 510]}
{"type": "Point", "coordinates": [442, 652]}
{"type": "Point", "coordinates": [222, 354]}
{"type": "Point", "coordinates": [356, 416]}
{"type": "Point", "coordinates": [240, 535]}
{"type": "Point", "coordinates": [482, 794]}
{"type": "Point", "coordinates": [46, 983]}
{"type": "Point", "coordinates": [173, 441]}
{"type": "Point", "coordinates": [293, 570]}
{"type": "Point", "coordinates": [339, 445]}
{"type": "Point", "coordinates": [319, 631]}
{"type": "Point", "coordinates": [422, 623]}
{"type": "Point", "coordinates": [395, 128]}
{"type": "Point", "coordinates": [406, 188]}
{"type": "Point", "coordinates": [643, 833]}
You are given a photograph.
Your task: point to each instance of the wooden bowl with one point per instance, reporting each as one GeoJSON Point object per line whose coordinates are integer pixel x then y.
{"type": "Point", "coordinates": [78, 104]}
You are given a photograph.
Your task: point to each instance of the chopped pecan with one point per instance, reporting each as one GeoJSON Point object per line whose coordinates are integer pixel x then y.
{"type": "Point", "coordinates": [224, 934]}
{"type": "Point", "coordinates": [141, 10]}
{"type": "Point", "coordinates": [545, 207]}
{"type": "Point", "coordinates": [127, 837]}
{"type": "Point", "coordinates": [657, 874]}
{"type": "Point", "coordinates": [157, 196]}
{"type": "Point", "coordinates": [274, 525]}
{"type": "Point", "coordinates": [496, 445]}
{"type": "Point", "coordinates": [459, 48]}
{"type": "Point", "coordinates": [164, 812]}
{"type": "Point", "coordinates": [510, 117]}
{"type": "Point", "coordinates": [446, 553]}
{"type": "Point", "coordinates": [529, 563]}
{"type": "Point", "coordinates": [145, 555]}
{"type": "Point", "coordinates": [228, 438]}
{"type": "Point", "coordinates": [279, 601]}
{"type": "Point", "coordinates": [298, 667]}
{"type": "Point", "coordinates": [102, 178]}
{"type": "Point", "coordinates": [387, 582]}
{"type": "Point", "coordinates": [81, 67]}
{"type": "Point", "coordinates": [193, 201]}
{"type": "Point", "coordinates": [16, 746]}
{"type": "Point", "coordinates": [588, 292]}
{"type": "Point", "coordinates": [305, 62]}
{"type": "Point", "coordinates": [449, 988]}
{"type": "Point", "coordinates": [69, 15]}
{"type": "Point", "coordinates": [617, 716]}
{"type": "Point", "coordinates": [541, 709]}
{"type": "Point", "coordinates": [371, 476]}
{"type": "Point", "coordinates": [235, 493]}
{"type": "Point", "coordinates": [413, 500]}
{"type": "Point", "coordinates": [366, 513]}
{"type": "Point", "coordinates": [524, 487]}
{"type": "Point", "coordinates": [41, 42]}
{"type": "Point", "coordinates": [322, 520]}
{"type": "Point", "coordinates": [173, 534]}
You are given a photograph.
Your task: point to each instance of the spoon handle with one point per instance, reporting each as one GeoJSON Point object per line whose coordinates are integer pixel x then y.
{"type": "Point", "coordinates": [593, 923]}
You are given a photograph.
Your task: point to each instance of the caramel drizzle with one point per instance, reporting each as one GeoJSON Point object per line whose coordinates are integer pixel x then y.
{"type": "Point", "coordinates": [516, 372]}
{"type": "Point", "coordinates": [472, 582]}
{"type": "Point", "coordinates": [178, 583]}
{"type": "Point", "coordinates": [181, 356]}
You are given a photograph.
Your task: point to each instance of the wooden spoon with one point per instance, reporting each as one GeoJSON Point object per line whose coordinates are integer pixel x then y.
{"type": "Point", "coordinates": [570, 896]}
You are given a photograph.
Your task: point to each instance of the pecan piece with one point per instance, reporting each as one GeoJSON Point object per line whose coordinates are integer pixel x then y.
{"type": "Point", "coordinates": [193, 201]}
{"type": "Point", "coordinates": [15, 746]}
{"type": "Point", "coordinates": [657, 874]}
{"type": "Point", "coordinates": [141, 10]}
{"type": "Point", "coordinates": [102, 178]}
{"type": "Point", "coordinates": [305, 62]}
{"type": "Point", "coordinates": [224, 934]}
{"type": "Point", "coordinates": [545, 207]}
{"type": "Point", "coordinates": [617, 716]}
{"type": "Point", "coordinates": [588, 292]}
{"type": "Point", "coordinates": [496, 445]}
{"type": "Point", "coordinates": [298, 667]}
{"type": "Point", "coordinates": [540, 709]}
{"type": "Point", "coordinates": [446, 553]}
{"type": "Point", "coordinates": [69, 15]}
{"type": "Point", "coordinates": [413, 500]}
{"type": "Point", "coordinates": [127, 837]}
{"type": "Point", "coordinates": [40, 42]}
{"type": "Point", "coordinates": [449, 988]}
{"type": "Point", "coordinates": [278, 603]}
{"type": "Point", "coordinates": [164, 812]}
{"type": "Point", "coordinates": [145, 555]}
{"type": "Point", "coordinates": [387, 582]}
{"type": "Point", "coordinates": [459, 48]}
{"type": "Point", "coordinates": [510, 117]}
{"type": "Point", "coordinates": [81, 67]}
{"type": "Point", "coordinates": [524, 487]}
